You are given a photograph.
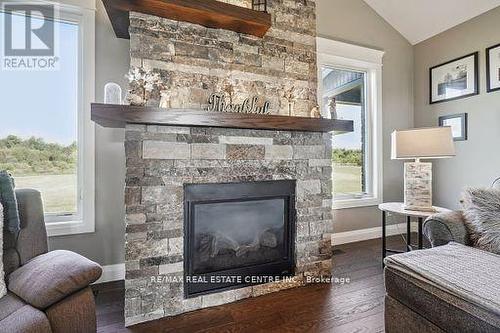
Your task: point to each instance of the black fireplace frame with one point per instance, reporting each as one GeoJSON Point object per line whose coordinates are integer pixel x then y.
{"type": "Point", "coordinates": [238, 192]}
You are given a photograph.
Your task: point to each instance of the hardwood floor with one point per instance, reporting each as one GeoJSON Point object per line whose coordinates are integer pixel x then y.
{"type": "Point", "coordinates": [356, 306]}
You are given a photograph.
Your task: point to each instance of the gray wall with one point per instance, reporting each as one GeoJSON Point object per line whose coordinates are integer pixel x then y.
{"type": "Point", "coordinates": [477, 162]}
{"type": "Point", "coordinates": [106, 245]}
{"type": "Point", "coordinates": [353, 21]}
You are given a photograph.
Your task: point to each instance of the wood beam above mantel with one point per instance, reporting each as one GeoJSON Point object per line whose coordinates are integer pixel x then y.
{"type": "Point", "coordinates": [209, 13]}
{"type": "Point", "coordinates": [117, 116]}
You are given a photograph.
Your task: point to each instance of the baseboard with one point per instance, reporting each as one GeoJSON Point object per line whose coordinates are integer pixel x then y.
{"type": "Point", "coordinates": [369, 233]}
{"type": "Point", "coordinates": [112, 273]}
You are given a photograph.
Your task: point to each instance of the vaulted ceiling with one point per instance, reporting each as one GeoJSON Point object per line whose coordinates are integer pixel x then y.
{"type": "Point", "coordinates": [418, 20]}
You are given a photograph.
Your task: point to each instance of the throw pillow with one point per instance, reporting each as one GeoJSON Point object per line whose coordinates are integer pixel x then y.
{"type": "Point", "coordinates": [3, 288]}
{"type": "Point", "coordinates": [482, 218]}
{"type": "Point", "coordinates": [8, 199]}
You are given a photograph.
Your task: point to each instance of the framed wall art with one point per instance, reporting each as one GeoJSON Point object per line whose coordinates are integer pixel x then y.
{"type": "Point", "coordinates": [493, 68]}
{"type": "Point", "coordinates": [454, 79]}
{"type": "Point", "coordinates": [458, 124]}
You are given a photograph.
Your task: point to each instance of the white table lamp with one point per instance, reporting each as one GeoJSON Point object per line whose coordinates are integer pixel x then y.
{"type": "Point", "coordinates": [421, 143]}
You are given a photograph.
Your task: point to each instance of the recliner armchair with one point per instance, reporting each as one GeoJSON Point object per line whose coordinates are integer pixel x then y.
{"type": "Point", "coordinates": [442, 228]}
{"type": "Point", "coordinates": [47, 291]}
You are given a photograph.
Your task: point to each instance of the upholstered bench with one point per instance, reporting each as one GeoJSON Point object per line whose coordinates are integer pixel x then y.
{"type": "Point", "coordinates": [451, 288]}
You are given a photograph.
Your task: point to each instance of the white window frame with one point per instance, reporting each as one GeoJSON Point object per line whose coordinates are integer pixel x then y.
{"type": "Point", "coordinates": [81, 12]}
{"type": "Point", "coordinates": [342, 55]}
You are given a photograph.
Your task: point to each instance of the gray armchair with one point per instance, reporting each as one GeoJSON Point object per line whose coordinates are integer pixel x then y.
{"type": "Point", "coordinates": [440, 229]}
{"type": "Point", "coordinates": [47, 291]}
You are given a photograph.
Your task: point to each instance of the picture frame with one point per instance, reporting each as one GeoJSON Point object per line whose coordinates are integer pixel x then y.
{"type": "Point", "coordinates": [454, 79]}
{"type": "Point", "coordinates": [493, 68]}
{"type": "Point", "coordinates": [458, 124]}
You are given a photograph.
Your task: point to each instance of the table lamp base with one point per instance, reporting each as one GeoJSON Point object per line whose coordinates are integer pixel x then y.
{"type": "Point", "coordinates": [418, 186]}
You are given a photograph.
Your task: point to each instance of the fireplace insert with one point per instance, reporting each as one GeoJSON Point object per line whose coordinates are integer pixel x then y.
{"type": "Point", "coordinates": [237, 234]}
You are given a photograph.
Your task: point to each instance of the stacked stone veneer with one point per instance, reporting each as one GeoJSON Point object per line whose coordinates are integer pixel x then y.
{"type": "Point", "coordinates": [194, 61]}
{"type": "Point", "coordinates": [160, 159]}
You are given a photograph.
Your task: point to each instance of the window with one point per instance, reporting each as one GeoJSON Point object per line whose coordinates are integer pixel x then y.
{"type": "Point", "coordinates": [350, 86]}
{"type": "Point", "coordinates": [47, 85]}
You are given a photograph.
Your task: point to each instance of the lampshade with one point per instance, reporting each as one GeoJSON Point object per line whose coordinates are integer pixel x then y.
{"type": "Point", "coordinates": [433, 142]}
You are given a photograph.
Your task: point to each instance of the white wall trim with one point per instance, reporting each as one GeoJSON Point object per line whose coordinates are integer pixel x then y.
{"type": "Point", "coordinates": [84, 221]}
{"type": "Point", "coordinates": [369, 233]}
{"type": "Point", "coordinates": [369, 201]}
{"type": "Point", "coordinates": [332, 53]}
{"type": "Point", "coordinates": [349, 51]}
{"type": "Point", "coordinates": [84, 4]}
{"type": "Point", "coordinates": [112, 273]}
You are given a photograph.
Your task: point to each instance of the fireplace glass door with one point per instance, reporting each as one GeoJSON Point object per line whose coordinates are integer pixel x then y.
{"type": "Point", "coordinates": [238, 231]}
{"type": "Point", "coordinates": [238, 234]}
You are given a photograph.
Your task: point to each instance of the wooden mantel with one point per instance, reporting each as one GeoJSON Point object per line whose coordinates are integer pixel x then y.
{"type": "Point", "coordinates": [117, 116]}
{"type": "Point", "coordinates": [209, 13]}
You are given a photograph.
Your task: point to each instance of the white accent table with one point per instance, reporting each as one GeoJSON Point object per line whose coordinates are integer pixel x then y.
{"type": "Point", "coordinates": [398, 208]}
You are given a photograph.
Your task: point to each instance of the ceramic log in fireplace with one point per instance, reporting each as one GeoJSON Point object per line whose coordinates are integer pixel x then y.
{"type": "Point", "coordinates": [237, 234]}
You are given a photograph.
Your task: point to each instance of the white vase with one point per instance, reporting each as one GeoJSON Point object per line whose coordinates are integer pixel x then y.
{"type": "Point", "coordinates": [112, 93]}
{"type": "Point", "coordinates": [165, 100]}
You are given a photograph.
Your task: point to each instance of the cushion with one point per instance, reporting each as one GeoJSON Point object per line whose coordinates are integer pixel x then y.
{"type": "Point", "coordinates": [9, 201]}
{"type": "Point", "coordinates": [10, 304]}
{"type": "Point", "coordinates": [26, 319]}
{"type": "Point", "coordinates": [482, 218]}
{"type": "Point", "coordinates": [32, 238]}
{"type": "Point", "coordinates": [50, 277]}
{"type": "Point", "coordinates": [3, 288]}
{"type": "Point", "coordinates": [10, 260]}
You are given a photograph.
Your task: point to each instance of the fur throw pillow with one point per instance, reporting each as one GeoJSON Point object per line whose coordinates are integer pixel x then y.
{"type": "Point", "coordinates": [3, 288]}
{"type": "Point", "coordinates": [482, 218]}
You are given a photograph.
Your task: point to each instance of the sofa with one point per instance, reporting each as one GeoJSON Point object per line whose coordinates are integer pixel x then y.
{"type": "Point", "coordinates": [47, 291]}
{"type": "Point", "coordinates": [415, 303]}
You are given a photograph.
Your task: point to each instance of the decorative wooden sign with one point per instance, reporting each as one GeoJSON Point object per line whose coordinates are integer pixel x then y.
{"type": "Point", "coordinates": [217, 103]}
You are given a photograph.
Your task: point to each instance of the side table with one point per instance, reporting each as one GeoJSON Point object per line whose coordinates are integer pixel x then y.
{"type": "Point", "coordinates": [398, 208]}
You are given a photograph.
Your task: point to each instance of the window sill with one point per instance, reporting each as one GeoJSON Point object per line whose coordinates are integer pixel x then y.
{"type": "Point", "coordinates": [68, 228]}
{"type": "Point", "coordinates": [355, 203]}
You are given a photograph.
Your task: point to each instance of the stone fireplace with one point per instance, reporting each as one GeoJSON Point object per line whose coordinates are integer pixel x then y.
{"type": "Point", "coordinates": [275, 187]}
{"type": "Point", "coordinates": [208, 201]}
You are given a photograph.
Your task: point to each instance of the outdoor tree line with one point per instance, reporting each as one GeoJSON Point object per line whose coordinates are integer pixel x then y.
{"type": "Point", "coordinates": [34, 156]}
{"type": "Point", "coordinates": [352, 157]}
